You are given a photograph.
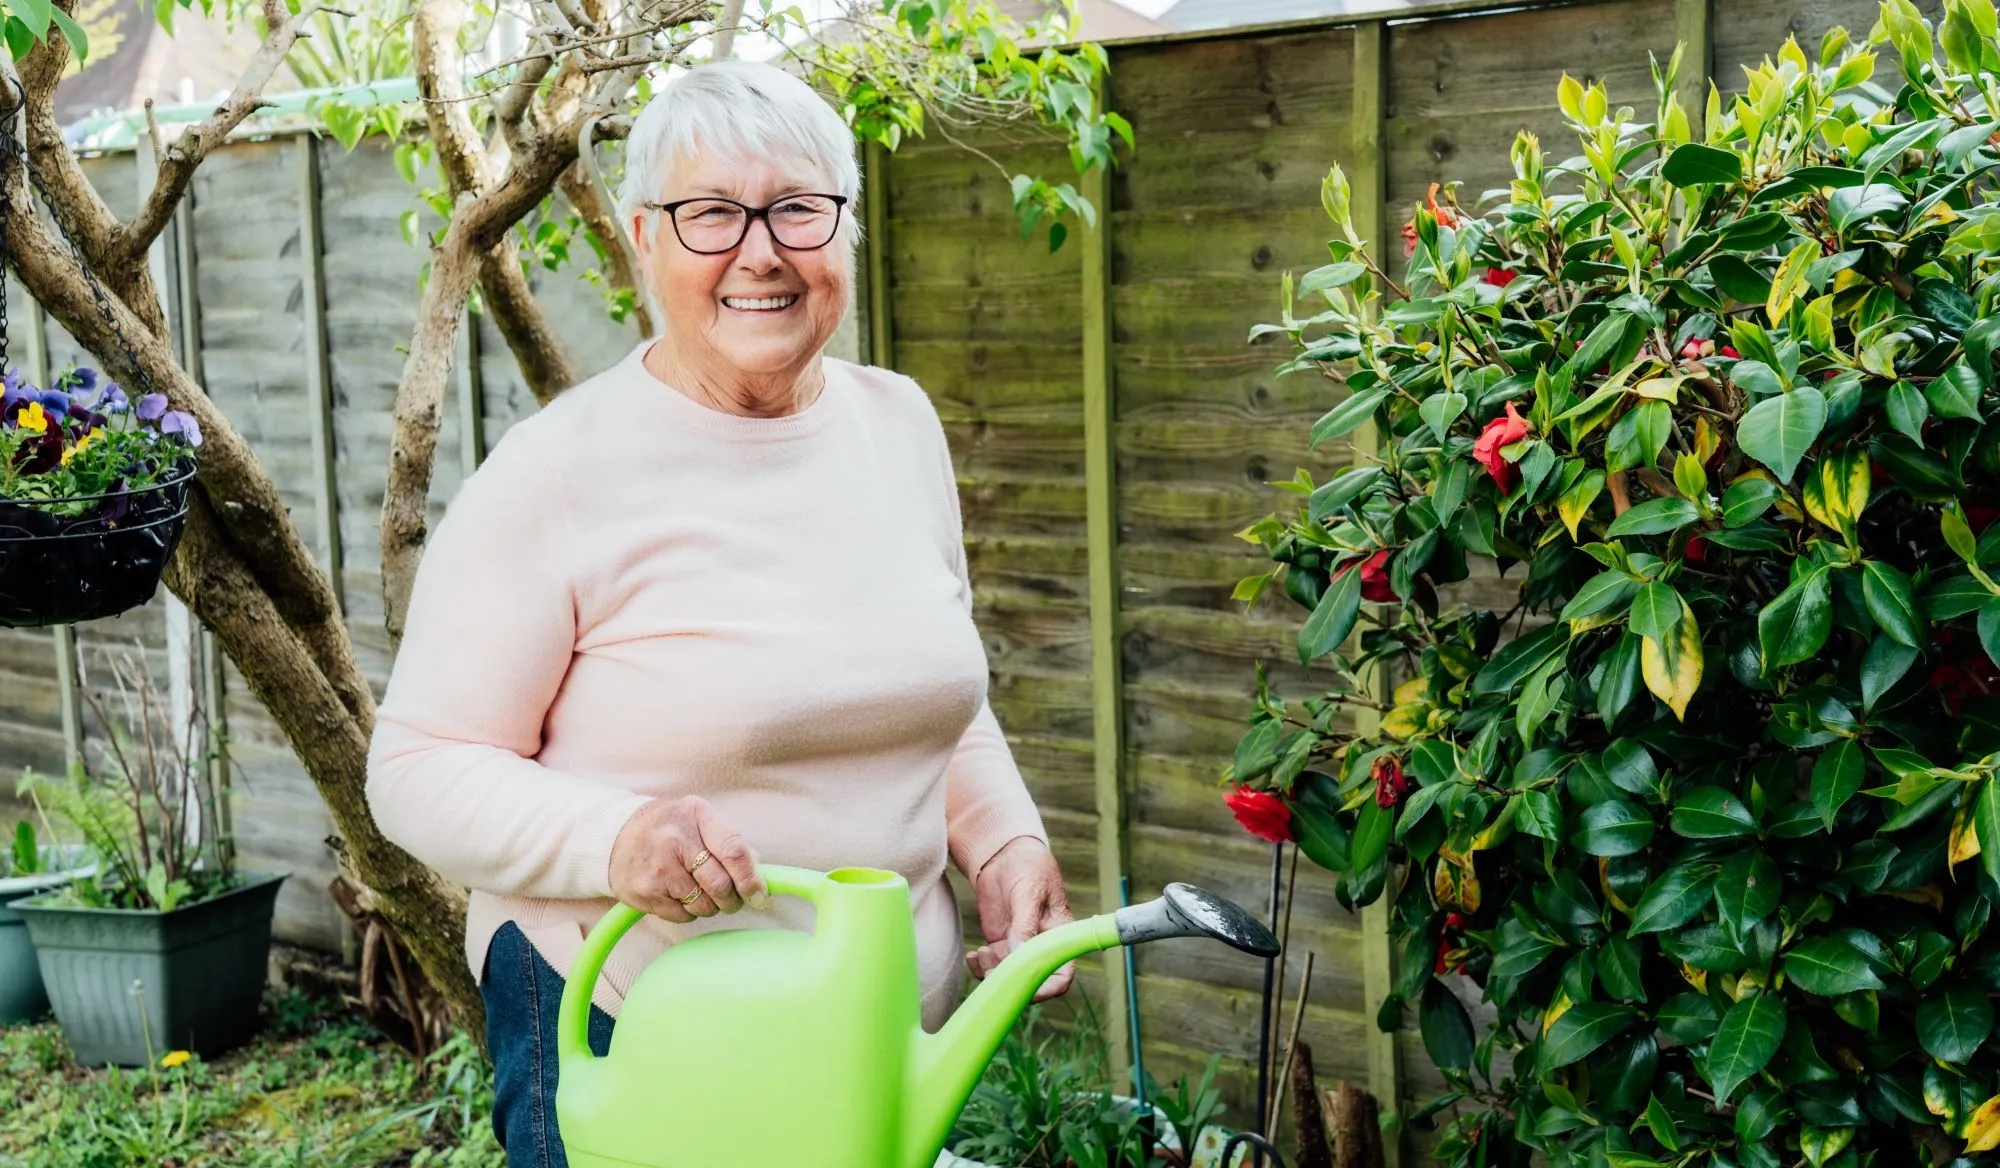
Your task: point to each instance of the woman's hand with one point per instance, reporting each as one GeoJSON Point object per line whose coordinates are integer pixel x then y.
{"type": "Point", "coordinates": [654, 868]}
{"type": "Point", "coordinates": [1020, 894]}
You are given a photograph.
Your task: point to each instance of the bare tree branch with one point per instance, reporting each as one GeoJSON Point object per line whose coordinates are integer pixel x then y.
{"type": "Point", "coordinates": [178, 162]}
{"type": "Point", "coordinates": [725, 29]}
{"type": "Point", "coordinates": [469, 171]}
{"type": "Point", "coordinates": [580, 187]}
{"type": "Point", "coordinates": [477, 225]}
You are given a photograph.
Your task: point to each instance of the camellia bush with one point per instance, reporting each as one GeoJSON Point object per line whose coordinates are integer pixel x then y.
{"type": "Point", "coordinates": [1708, 818]}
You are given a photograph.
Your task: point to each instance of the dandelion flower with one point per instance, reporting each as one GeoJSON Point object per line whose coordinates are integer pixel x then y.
{"type": "Point", "coordinates": [174, 1058]}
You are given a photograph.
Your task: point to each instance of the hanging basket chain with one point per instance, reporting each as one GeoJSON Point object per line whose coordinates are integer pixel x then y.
{"type": "Point", "coordinates": [12, 150]}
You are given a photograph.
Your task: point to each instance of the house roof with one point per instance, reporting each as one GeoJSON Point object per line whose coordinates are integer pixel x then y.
{"type": "Point", "coordinates": [1100, 20]}
{"type": "Point", "coordinates": [201, 59]}
{"type": "Point", "coordinates": [1199, 14]}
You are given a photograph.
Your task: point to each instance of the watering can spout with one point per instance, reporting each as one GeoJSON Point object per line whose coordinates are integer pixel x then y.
{"type": "Point", "coordinates": [947, 1065]}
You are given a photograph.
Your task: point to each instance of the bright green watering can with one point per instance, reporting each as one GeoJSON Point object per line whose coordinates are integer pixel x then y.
{"type": "Point", "coordinates": [768, 1048]}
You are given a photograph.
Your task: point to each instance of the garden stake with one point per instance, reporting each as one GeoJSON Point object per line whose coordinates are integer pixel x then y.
{"type": "Point", "coordinates": [1291, 1043]}
{"type": "Point", "coordinates": [1132, 1005]}
{"type": "Point", "coordinates": [1278, 996]}
{"type": "Point", "coordinates": [825, 1025]}
{"type": "Point", "coordinates": [1270, 979]}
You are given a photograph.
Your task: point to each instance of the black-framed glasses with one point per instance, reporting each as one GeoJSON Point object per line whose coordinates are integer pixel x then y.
{"type": "Point", "coordinates": [711, 225]}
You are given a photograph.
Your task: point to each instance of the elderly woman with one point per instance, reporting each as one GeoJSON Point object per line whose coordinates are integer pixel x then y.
{"type": "Point", "coordinates": [708, 608]}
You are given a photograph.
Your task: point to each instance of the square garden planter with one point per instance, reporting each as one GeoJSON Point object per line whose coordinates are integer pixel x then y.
{"type": "Point", "coordinates": [189, 979]}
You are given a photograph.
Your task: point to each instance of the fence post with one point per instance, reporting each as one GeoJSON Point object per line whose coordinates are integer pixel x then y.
{"type": "Point", "coordinates": [1692, 29]}
{"type": "Point", "coordinates": [207, 651]}
{"type": "Point", "coordinates": [319, 374]}
{"type": "Point", "coordinates": [875, 193]}
{"type": "Point", "coordinates": [1107, 713]}
{"type": "Point", "coordinates": [68, 698]}
{"type": "Point", "coordinates": [1369, 199]}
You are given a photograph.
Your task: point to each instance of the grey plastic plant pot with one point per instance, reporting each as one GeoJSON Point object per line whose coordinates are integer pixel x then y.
{"type": "Point", "coordinates": [22, 996]}
{"type": "Point", "coordinates": [128, 985]}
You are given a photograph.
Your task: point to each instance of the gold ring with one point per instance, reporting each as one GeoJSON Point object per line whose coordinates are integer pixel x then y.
{"type": "Point", "coordinates": [701, 857]}
{"type": "Point", "coordinates": [688, 900]}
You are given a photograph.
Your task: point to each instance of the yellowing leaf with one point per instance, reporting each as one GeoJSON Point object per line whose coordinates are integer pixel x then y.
{"type": "Point", "coordinates": [1666, 389]}
{"type": "Point", "coordinates": [1557, 1009]}
{"type": "Point", "coordinates": [1964, 838]}
{"type": "Point", "coordinates": [1604, 886]}
{"type": "Point", "coordinates": [1575, 502]}
{"type": "Point", "coordinates": [1982, 1130]}
{"type": "Point", "coordinates": [1790, 281]}
{"type": "Point", "coordinates": [1929, 894]}
{"type": "Point", "coordinates": [1706, 440]}
{"type": "Point", "coordinates": [1672, 665]}
{"type": "Point", "coordinates": [1819, 321]}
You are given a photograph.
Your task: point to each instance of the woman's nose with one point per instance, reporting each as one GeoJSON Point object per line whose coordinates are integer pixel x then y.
{"type": "Point", "coordinates": [759, 249]}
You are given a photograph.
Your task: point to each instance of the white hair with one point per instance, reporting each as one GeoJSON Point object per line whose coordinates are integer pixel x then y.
{"type": "Point", "coordinates": [739, 109]}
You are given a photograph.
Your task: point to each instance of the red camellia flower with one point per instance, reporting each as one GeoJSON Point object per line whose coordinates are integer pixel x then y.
{"type": "Point", "coordinates": [1697, 550]}
{"type": "Point", "coordinates": [1729, 352]}
{"type": "Point", "coordinates": [1374, 578]}
{"type": "Point", "coordinates": [1390, 785]}
{"type": "Point", "coordinates": [1500, 277]}
{"type": "Point", "coordinates": [1261, 813]}
{"type": "Point", "coordinates": [1697, 348]}
{"type": "Point", "coordinates": [1979, 517]}
{"type": "Point", "coordinates": [1444, 215]}
{"type": "Point", "coordinates": [1498, 433]}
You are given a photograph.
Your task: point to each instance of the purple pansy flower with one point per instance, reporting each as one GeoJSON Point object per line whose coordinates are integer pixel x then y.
{"type": "Point", "coordinates": [152, 406]}
{"type": "Point", "coordinates": [55, 401]}
{"type": "Point", "coordinates": [113, 399]}
{"type": "Point", "coordinates": [11, 402]}
{"type": "Point", "coordinates": [182, 423]}
{"type": "Point", "coordinates": [13, 379]}
{"type": "Point", "coordinates": [83, 382]}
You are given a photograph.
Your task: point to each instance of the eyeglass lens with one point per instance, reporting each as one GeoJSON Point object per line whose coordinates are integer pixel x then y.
{"type": "Point", "coordinates": [802, 222]}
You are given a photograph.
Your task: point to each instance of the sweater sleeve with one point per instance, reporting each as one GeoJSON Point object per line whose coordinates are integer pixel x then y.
{"type": "Point", "coordinates": [987, 804]}
{"type": "Point", "coordinates": [452, 775]}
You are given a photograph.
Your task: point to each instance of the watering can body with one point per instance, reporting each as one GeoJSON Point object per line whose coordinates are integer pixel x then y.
{"type": "Point", "coordinates": [766, 1048]}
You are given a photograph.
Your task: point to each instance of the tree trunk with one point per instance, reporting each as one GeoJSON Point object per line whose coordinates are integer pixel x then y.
{"type": "Point", "coordinates": [243, 569]}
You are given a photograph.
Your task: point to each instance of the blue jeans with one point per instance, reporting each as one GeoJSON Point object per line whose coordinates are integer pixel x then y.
{"type": "Point", "coordinates": [523, 993]}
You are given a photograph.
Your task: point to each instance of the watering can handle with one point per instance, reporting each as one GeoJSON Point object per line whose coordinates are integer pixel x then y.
{"type": "Point", "coordinates": [573, 1020]}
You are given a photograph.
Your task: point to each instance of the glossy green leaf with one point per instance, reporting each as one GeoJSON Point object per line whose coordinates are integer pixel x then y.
{"type": "Point", "coordinates": [1342, 489]}
{"type": "Point", "coordinates": [1654, 517]}
{"type": "Point", "coordinates": [1746, 499]}
{"type": "Point", "coordinates": [1829, 967]}
{"type": "Point", "coordinates": [1794, 625]}
{"type": "Point", "coordinates": [1583, 1028]}
{"type": "Point", "coordinates": [1693, 164]}
{"type": "Point", "coordinates": [1747, 889]}
{"type": "Point", "coordinates": [1744, 1042]}
{"type": "Point", "coordinates": [1887, 593]}
{"type": "Point", "coordinates": [1607, 591]}
{"type": "Point", "coordinates": [1332, 618]}
{"type": "Point", "coordinates": [1709, 812]}
{"type": "Point", "coordinates": [1779, 430]}
{"type": "Point", "coordinates": [1439, 411]}
{"type": "Point", "coordinates": [1656, 610]}
{"type": "Point", "coordinates": [1446, 1027]}
{"type": "Point", "coordinates": [1953, 1025]}
{"type": "Point", "coordinates": [1882, 667]}
{"type": "Point", "coordinates": [1836, 776]}
{"type": "Point", "coordinates": [1613, 828]}
{"type": "Point", "coordinates": [1673, 899]}
{"type": "Point", "coordinates": [1348, 416]}
{"type": "Point", "coordinates": [1907, 410]}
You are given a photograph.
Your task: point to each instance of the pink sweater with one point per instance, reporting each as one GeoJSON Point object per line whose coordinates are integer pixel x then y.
{"type": "Point", "coordinates": [640, 596]}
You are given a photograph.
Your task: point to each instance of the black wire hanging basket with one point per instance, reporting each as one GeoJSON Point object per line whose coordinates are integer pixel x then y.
{"type": "Point", "coordinates": [78, 556]}
{"type": "Point", "coordinates": [88, 556]}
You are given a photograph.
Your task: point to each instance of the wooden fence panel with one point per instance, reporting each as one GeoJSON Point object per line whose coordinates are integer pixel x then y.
{"type": "Point", "coordinates": [257, 363]}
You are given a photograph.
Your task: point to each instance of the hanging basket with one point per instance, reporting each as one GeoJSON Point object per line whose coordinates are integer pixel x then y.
{"type": "Point", "coordinates": [88, 556]}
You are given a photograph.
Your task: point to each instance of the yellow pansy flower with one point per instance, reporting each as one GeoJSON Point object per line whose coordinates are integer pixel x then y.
{"type": "Point", "coordinates": [175, 1058]}
{"type": "Point", "coordinates": [88, 437]}
{"type": "Point", "coordinates": [34, 418]}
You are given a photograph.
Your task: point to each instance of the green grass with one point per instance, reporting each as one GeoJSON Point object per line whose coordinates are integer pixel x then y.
{"type": "Point", "coordinates": [319, 1089]}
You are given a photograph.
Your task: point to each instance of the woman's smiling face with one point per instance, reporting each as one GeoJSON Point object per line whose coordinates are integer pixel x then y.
{"type": "Point", "coordinates": [760, 310]}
